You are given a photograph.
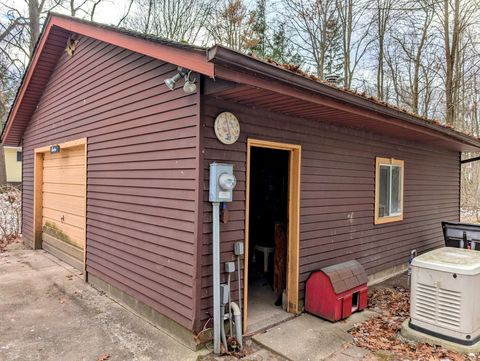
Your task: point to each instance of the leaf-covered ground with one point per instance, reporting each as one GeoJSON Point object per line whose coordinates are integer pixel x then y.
{"type": "Point", "coordinates": [381, 334]}
{"type": "Point", "coordinates": [4, 243]}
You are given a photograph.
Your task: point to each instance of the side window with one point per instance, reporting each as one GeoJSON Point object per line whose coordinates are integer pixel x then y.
{"type": "Point", "coordinates": [388, 190]}
{"type": "Point", "coordinates": [19, 155]}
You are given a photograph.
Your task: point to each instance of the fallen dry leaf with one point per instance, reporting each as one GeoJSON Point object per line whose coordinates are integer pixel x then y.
{"type": "Point", "coordinates": [103, 357]}
{"type": "Point", "coordinates": [381, 333]}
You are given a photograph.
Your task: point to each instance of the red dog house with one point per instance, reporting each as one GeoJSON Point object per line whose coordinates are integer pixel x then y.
{"type": "Point", "coordinates": [335, 292]}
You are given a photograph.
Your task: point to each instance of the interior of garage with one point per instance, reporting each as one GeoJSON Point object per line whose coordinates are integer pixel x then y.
{"type": "Point", "coordinates": [268, 218]}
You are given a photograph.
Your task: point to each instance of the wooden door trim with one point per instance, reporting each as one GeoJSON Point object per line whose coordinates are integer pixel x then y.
{"type": "Point", "coordinates": [64, 145]}
{"type": "Point", "coordinates": [38, 197]}
{"type": "Point", "coordinates": [294, 170]}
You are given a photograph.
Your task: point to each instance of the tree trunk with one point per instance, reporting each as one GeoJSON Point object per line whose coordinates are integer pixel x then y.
{"type": "Point", "coordinates": [3, 170]}
{"type": "Point", "coordinates": [34, 23]}
{"type": "Point", "coordinates": [450, 58]}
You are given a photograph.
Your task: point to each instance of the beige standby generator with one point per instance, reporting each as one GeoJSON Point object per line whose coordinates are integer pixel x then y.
{"type": "Point", "coordinates": [445, 294]}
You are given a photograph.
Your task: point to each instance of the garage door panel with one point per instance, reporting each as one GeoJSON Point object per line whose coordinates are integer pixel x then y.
{"type": "Point", "coordinates": [67, 252]}
{"type": "Point", "coordinates": [67, 162]}
{"type": "Point", "coordinates": [71, 219]}
{"type": "Point", "coordinates": [71, 175]}
{"type": "Point", "coordinates": [63, 204]}
{"type": "Point", "coordinates": [77, 190]}
{"type": "Point", "coordinates": [64, 232]}
{"type": "Point", "coordinates": [75, 161]}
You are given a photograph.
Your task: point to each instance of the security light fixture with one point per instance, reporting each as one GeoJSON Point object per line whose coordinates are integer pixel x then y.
{"type": "Point", "coordinates": [189, 86]}
{"type": "Point", "coordinates": [170, 82]}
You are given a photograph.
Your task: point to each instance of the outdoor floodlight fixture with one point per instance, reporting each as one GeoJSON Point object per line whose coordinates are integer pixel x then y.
{"type": "Point", "coordinates": [189, 86]}
{"type": "Point", "coordinates": [170, 82]}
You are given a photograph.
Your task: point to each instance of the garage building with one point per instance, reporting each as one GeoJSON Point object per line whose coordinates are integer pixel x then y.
{"type": "Point", "coordinates": [116, 172]}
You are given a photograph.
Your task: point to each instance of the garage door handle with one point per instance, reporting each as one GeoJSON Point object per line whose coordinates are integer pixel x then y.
{"type": "Point", "coordinates": [62, 219]}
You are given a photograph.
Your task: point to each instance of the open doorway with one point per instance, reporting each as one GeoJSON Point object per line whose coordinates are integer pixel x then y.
{"type": "Point", "coordinates": [267, 232]}
{"type": "Point", "coordinates": [271, 265]}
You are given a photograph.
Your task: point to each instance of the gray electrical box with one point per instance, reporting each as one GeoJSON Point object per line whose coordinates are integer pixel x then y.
{"type": "Point", "coordinates": [224, 293]}
{"type": "Point", "coordinates": [238, 249]}
{"type": "Point", "coordinates": [222, 182]}
{"type": "Point", "coordinates": [229, 267]}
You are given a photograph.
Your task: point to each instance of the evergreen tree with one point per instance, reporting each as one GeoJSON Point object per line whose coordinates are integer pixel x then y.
{"type": "Point", "coordinates": [281, 50]}
{"type": "Point", "coordinates": [333, 55]}
{"type": "Point", "coordinates": [259, 30]}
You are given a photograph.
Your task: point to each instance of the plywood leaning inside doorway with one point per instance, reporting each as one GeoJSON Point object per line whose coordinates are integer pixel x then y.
{"type": "Point", "coordinates": [60, 187]}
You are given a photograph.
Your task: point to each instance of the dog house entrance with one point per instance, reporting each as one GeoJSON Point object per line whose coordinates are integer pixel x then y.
{"type": "Point", "coordinates": [355, 299]}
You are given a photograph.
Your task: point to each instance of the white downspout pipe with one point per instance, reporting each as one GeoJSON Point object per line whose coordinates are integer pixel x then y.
{"type": "Point", "coordinates": [237, 315]}
{"type": "Point", "coordinates": [239, 282]}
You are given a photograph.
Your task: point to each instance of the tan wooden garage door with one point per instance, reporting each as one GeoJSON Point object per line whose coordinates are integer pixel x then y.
{"type": "Point", "coordinates": [63, 204]}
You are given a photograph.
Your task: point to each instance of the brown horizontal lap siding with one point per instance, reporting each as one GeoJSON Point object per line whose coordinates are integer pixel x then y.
{"type": "Point", "coordinates": [337, 192]}
{"type": "Point", "coordinates": [142, 170]}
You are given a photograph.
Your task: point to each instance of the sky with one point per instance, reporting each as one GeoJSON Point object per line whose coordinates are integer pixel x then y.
{"type": "Point", "coordinates": [108, 11]}
{"type": "Point", "coordinates": [111, 11]}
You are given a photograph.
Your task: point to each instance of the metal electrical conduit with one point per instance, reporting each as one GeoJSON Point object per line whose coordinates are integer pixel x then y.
{"type": "Point", "coordinates": [221, 184]}
{"type": "Point", "coordinates": [216, 277]}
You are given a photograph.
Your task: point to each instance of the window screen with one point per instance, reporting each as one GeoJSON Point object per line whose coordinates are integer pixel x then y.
{"type": "Point", "coordinates": [389, 189]}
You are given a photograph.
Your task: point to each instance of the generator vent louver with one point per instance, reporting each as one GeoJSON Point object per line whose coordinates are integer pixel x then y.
{"type": "Point", "coordinates": [438, 305]}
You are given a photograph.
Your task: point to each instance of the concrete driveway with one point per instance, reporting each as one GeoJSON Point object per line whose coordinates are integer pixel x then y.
{"type": "Point", "coordinates": [47, 312]}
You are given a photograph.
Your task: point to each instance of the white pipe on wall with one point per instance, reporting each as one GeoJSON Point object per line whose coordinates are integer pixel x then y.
{"type": "Point", "coordinates": [239, 282]}
{"type": "Point", "coordinates": [237, 315]}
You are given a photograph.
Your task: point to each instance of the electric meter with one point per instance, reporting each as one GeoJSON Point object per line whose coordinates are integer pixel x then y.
{"type": "Point", "coordinates": [227, 181]}
{"type": "Point", "coordinates": [222, 182]}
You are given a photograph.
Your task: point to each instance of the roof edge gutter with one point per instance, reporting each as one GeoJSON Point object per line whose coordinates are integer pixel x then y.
{"type": "Point", "coordinates": [230, 58]}
{"type": "Point", "coordinates": [470, 160]}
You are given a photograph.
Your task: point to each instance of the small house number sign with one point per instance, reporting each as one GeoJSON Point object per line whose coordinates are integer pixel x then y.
{"type": "Point", "coordinates": [55, 149]}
